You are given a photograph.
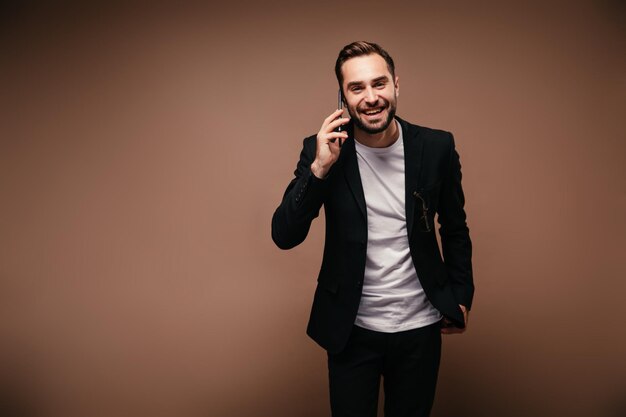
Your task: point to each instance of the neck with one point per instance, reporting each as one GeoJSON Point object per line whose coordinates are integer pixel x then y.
{"type": "Point", "coordinates": [378, 140]}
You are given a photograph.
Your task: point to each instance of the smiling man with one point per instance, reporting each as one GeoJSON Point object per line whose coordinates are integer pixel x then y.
{"type": "Point", "coordinates": [385, 294]}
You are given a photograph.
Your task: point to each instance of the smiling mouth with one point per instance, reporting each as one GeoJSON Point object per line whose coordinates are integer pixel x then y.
{"type": "Point", "coordinates": [373, 112]}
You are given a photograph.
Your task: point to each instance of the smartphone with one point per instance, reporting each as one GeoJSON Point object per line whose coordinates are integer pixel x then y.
{"type": "Point", "coordinates": [339, 105]}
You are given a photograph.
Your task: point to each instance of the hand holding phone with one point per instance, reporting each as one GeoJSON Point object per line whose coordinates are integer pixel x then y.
{"type": "Point", "coordinates": [328, 148]}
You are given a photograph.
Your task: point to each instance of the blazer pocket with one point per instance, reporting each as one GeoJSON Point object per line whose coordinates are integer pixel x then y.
{"type": "Point", "coordinates": [430, 196]}
{"type": "Point", "coordinates": [432, 185]}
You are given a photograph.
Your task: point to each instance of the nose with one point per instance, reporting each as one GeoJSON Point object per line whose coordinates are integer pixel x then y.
{"type": "Point", "coordinates": [371, 97]}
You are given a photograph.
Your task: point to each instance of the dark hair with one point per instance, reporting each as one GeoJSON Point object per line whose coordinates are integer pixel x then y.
{"type": "Point", "coordinates": [361, 48]}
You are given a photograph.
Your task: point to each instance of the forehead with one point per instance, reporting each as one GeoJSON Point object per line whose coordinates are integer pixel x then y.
{"type": "Point", "coordinates": [364, 68]}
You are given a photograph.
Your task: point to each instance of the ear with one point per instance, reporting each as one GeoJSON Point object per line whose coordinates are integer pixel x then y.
{"type": "Point", "coordinates": [396, 83]}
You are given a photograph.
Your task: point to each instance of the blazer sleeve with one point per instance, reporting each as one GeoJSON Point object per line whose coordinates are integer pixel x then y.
{"type": "Point", "coordinates": [301, 202]}
{"type": "Point", "coordinates": [455, 239]}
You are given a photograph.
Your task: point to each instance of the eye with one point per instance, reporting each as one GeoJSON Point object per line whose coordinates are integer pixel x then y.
{"type": "Point", "coordinates": [356, 89]}
{"type": "Point", "coordinates": [379, 84]}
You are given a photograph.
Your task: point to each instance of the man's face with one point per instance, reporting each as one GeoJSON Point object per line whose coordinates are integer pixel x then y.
{"type": "Point", "coordinates": [370, 92]}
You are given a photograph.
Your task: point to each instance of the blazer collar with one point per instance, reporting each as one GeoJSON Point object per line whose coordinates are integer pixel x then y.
{"type": "Point", "coordinates": [351, 169]}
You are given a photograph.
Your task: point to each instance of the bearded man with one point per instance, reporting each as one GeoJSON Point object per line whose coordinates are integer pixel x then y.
{"type": "Point", "coordinates": [385, 293]}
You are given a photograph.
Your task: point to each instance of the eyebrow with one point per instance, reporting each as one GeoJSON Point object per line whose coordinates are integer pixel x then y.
{"type": "Point", "coordinates": [381, 78]}
{"type": "Point", "coordinates": [375, 80]}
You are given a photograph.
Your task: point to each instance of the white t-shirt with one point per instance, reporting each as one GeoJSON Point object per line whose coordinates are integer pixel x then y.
{"type": "Point", "coordinates": [393, 299]}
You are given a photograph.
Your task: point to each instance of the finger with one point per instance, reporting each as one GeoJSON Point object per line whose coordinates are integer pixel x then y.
{"type": "Point", "coordinates": [331, 136]}
{"type": "Point", "coordinates": [335, 145]}
{"type": "Point", "coordinates": [332, 116]}
{"type": "Point", "coordinates": [336, 123]}
{"type": "Point", "coordinates": [451, 330]}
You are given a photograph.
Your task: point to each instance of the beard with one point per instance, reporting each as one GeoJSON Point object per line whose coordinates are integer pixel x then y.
{"type": "Point", "coordinates": [374, 128]}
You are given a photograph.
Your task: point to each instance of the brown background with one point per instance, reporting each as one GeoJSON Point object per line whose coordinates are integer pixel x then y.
{"type": "Point", "coordinates": [143, 151]}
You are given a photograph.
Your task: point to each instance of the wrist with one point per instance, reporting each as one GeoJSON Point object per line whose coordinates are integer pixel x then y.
{"type": "Point", "coordinates": [317, 170]}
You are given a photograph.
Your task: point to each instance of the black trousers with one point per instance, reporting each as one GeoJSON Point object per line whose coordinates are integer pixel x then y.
{"type": "Point", "coordinates": [408, 361]}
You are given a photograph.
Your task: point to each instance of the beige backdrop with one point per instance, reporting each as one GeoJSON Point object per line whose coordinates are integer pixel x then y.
{"type": "Point", "coordinates": [144, 149]}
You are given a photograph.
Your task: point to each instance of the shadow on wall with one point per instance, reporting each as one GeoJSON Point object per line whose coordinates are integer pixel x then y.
{"type": "Point", "coordinates": [618, 408]}
{"type": "Point", "coordinates": [15, 401]}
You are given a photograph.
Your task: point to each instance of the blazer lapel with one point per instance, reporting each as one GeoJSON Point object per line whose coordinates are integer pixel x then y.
{"type": "Point", "coordinates": [351, 170]}
{"type": "Point", "coordinates": [413, 149]}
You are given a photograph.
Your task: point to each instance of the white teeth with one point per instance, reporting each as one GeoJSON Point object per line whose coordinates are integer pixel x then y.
{"type": "Point", "coordinates": [369, 113]}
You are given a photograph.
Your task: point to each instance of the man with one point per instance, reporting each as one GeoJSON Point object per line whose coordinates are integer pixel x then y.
{"type": "Point", "coordinates": [384, 293]}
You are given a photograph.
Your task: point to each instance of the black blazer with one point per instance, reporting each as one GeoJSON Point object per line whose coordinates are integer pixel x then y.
{"type": "Point", "coordinates": [432, 174]}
